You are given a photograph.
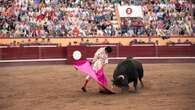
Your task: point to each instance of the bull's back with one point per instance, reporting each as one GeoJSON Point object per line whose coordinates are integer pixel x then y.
{"type": "Point", "coordinates": [139, 67]}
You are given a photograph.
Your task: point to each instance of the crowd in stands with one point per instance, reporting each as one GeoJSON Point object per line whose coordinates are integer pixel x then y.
{"type": "Point", "coordinates": [187, 42]}
{"type": "Point", "coordinates": [180, 43]}
{"type": "Point", "coordinates": [161, 18]}
{"type": "Point", "coordinates": [88, 18]}
{"type": "Point", "coordinates": [32, 42]}
{"type": "Point", "coordinates": [97, 42]}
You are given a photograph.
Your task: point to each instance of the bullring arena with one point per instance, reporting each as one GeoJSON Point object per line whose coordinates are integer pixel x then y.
{"type": "Point", "coordinates": [57, 87]}
{"type": "Point", "coordinates": [38, 39]}
{"type": "Point", "coordinates": [50, 82]}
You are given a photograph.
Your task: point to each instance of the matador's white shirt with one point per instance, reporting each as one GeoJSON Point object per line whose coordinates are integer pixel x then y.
{"type": "Point", "coordinates": [100, 59]}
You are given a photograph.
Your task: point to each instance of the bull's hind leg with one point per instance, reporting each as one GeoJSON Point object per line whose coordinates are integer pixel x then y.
{"type": "Point", "coordinates": [142, 84]}
{"type": "Point", "coordinates": [135, 85]}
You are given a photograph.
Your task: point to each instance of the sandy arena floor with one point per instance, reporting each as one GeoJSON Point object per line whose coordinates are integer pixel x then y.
{"type": "Point", "coordinates": [57, 87]}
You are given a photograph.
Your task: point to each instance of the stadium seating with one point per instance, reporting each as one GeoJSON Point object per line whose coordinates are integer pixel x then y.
{"type": "Point", "coordinates": [86, 18]}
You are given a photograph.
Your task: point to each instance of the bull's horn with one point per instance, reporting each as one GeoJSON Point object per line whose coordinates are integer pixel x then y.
{"type": "Point", "coordinates": [121, 76]}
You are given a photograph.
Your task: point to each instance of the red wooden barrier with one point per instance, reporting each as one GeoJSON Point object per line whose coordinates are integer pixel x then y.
{"type": "Point", "coordinates": [20, 53]}
{"type": "Point", "coordinates": [17, 53]}
{"type": "Point", "coordinates": [135, 51]}
{"type": "Point", "coordinates": [176, 51]}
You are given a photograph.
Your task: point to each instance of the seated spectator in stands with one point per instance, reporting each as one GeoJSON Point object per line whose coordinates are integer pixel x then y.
{"type": "Point", "coordinates": [130, 32]}
{"type": "Point", "coordinates": [134, 41]}
{"type": "Point", "coordinates": [170, 43]}
{"type": "Point", "coordinates": [124, 27]}
{"type": "Point", "coordinates": [178, 40]}
{"type": "Point", "coordinates": [36, 41]}
{"type": "Point", "coordinates": [87, 42]}
{"type": "Point", "coordinates": [76, 32]}
{"type": "Point", "coordinates": [97, 41]}
{"type": "Point", "coordinates": [194, 28]}
{"type": "Point", "coordinates": [100, 32]}
{"type": "Point", "coordinates": [141, 41]}
{"type": "Point", "coordinates": [43, 41]}
{"type": "Point", "coordinates": [162, 33]}
{"type": "Point", "coordinates": [105, 41]}
{"type": "Point", "coordinates": [157, 42]}
{"type": "Point", "coordinates": [82, 42]}
{"type": "Point", "coordinates": [187, 41]}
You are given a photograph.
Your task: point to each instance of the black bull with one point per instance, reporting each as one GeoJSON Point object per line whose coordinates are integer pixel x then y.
{"type": "Point", "coordinates": [127, 71]}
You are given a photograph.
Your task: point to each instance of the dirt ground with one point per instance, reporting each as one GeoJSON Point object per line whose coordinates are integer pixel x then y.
{"type": "Point", "coordinates": [57, 87]}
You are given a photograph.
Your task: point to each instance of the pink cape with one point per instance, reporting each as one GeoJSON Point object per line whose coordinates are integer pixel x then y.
{"type": "Point", "coordinates": [85, 67]}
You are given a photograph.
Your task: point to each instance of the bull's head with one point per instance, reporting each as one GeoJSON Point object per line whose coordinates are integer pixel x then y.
{"type": "Point", "coordinates": [120, 81]}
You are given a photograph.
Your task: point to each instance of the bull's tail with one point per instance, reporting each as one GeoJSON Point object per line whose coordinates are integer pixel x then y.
{"type": "Point", "coordinates": [140, 70]}
{"type": "Point", "coordinates": [141, 74]}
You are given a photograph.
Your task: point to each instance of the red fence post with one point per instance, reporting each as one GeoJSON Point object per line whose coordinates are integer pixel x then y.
{"type": "Point", "coordinates": [0, 53]}
{"type": "Point", "coordinates": [156, 51]}
{"type": "Point", "coordinates": [39, 52]}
